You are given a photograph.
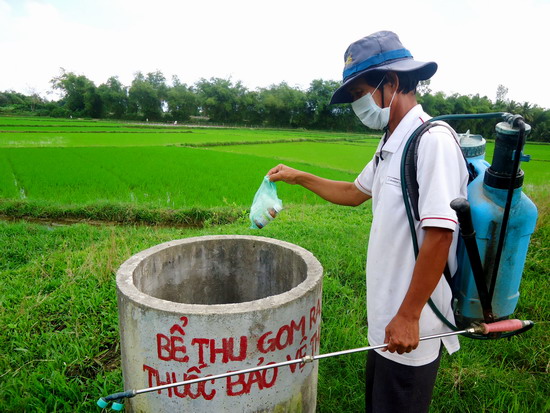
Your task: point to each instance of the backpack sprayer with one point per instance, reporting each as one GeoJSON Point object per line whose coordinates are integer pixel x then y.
{"type": "Point", "coordinates": [116, 399]}
{"type": "Point", "coordinates": [496, 222]}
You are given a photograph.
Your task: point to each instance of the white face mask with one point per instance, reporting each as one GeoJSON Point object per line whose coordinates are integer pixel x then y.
{"type": "Point", "coordinates": [372, 115]}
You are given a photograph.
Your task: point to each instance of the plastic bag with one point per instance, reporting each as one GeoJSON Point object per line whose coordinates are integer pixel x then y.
{"type": "Point", "coordinates": [266, 205]}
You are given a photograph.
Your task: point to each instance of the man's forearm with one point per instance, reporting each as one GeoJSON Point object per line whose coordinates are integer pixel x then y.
{"type": "Point", "coordinates": [337, 192]}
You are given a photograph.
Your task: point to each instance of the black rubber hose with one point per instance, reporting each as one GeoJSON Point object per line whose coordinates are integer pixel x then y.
{"type": "Point", "coordinates": [119, 396]}
{"type": "Point", "coordinates": [463, 213]}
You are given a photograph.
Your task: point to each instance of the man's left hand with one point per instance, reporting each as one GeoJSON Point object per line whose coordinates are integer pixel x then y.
{"type": "Point", "coordinates": [402, 334]}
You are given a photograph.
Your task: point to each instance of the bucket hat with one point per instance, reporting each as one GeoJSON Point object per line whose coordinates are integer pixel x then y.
{"type": "Point", "coordinates": [380, 51]}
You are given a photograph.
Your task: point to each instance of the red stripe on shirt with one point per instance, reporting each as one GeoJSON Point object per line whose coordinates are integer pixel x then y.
{"type": "Point", "coordinates": [447, 219]}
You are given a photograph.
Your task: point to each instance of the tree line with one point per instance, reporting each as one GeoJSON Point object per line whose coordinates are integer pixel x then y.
{"type": "Point", "coordinates": [222, 101]}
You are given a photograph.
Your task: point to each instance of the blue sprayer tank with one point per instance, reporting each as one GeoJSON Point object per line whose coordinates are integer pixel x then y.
{"type": "Point", "coordinates": [487, 195]}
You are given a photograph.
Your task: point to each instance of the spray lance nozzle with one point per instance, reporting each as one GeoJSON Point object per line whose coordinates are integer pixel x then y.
{"type": "Point", "coordinates": [116, 399]}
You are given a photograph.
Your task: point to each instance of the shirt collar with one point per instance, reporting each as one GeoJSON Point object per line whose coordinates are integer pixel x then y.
{"type": "Point", "coordinates": [412, 120]}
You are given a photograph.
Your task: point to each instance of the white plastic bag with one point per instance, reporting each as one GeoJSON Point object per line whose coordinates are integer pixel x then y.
{"type": "Point", "coordinates": [266, 205]}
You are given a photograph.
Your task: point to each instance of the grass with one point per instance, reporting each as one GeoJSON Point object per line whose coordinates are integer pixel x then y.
{"type": "Point", "coordinates": [61, 335]}
{"type": "Point", "coordinates": [112, 213]}
{"type": "Point", "coordinates": [60, 341]}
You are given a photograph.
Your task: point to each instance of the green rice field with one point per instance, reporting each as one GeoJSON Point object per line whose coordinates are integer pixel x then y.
{"type": "Point", "coordinates": [172, 177]}
{"type": "Point", "coordinates": [25, 132]}
{"type": "Point", "coordinates": [60, 341]}
{"type": "Point", "coordinates": [164, 168]}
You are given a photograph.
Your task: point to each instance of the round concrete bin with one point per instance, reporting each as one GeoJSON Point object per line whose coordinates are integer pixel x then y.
{"type": "Point", "coordinates": [208, 305]}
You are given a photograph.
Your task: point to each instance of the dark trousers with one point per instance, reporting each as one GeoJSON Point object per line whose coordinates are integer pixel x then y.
{"type": "Point", "coordinates": [395, 388]}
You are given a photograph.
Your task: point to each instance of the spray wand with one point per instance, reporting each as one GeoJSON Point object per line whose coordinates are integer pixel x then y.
{"type": "Point", "coordinates": [476, 328]}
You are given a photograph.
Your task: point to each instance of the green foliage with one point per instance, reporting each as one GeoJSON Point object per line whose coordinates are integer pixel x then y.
{"type": "Point", "coordinates": [182, 101]}
{"type": "Point", "coordinates": [322, 115]}
{"type": "Point", "coordinates": [222, 101]}
{"type": "Point", "coordinates": [18, 103]}
{"type": "Point", "coordinates": [283, 106]}
{"type": "Point", "coordinates": [115, 98]}
{"type": "Point", "coordinates": [146, 95]}
{"type": "Point", "coordinates": [80, 94]}
{"type": "Point", "coordinates": [219, 99]}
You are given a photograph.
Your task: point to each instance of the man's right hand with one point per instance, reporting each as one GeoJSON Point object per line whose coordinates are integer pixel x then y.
{"type": "Point", "coordinates": [284, 173]}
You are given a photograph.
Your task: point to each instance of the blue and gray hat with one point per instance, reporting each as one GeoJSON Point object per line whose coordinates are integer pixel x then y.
{"type": "Point", "coordinates": [381, 51]}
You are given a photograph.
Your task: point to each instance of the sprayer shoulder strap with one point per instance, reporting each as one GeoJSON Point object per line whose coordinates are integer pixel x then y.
{"type": "Point", "coordinates": [411, 161]}
{"type": "Point", "coordinates": [410, 172]}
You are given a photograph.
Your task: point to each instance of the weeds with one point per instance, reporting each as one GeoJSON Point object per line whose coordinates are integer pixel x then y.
{"type": "Point", "coordinates": [60, 312]}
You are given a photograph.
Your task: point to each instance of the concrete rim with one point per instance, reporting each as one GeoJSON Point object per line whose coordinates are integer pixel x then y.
{"type": "Point", "coordinates": [126, 287]}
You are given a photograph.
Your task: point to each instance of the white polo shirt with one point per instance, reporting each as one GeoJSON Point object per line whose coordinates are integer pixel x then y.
{"type": "Point", "coordinates": [442, 176]}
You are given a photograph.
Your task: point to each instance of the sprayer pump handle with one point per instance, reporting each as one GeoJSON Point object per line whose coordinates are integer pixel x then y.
{"type": "Point", "coordinates": [462, 208]}
{"type": "Point", "coordinates": [505, 325]}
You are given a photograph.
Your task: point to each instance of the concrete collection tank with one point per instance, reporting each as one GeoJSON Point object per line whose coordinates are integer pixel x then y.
{"type": "Point", "coordinates": [208, 305]}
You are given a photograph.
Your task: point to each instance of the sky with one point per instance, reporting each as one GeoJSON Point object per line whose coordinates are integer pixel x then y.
{"type": "Point", "coordinates": [478, 44]}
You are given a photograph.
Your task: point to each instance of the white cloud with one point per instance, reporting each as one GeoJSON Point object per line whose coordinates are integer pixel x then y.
{"type": "Point", "coordinates": [477, 44]}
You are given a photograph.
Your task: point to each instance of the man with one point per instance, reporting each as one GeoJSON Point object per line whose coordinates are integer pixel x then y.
{"type": "Point", "coordinates": [380, 79]}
